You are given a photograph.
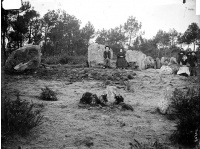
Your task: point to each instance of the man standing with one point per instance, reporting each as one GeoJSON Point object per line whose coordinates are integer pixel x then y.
{"type": "Point", "coordinates": [193, 64]}
{"type": "Point", "coordinates": [107, 56]}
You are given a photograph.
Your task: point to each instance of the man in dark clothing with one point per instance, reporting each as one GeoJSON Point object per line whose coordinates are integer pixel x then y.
{"type": "Point", "coordinates": [193, 64]}
{"type": "Point", "coordinates": [188, 53]}
{"type": "Point", "coordinates": [107, 56]}
{"type": "Point", "coordinates": [180, 55]}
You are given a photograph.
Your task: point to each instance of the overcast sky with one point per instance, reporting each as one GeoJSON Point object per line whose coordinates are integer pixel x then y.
{"type": "Point", "coordinates": [153, 14]}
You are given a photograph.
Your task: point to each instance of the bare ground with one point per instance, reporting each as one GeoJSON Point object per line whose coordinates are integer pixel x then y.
{"type": "Point", "coordinates": [68, 126]}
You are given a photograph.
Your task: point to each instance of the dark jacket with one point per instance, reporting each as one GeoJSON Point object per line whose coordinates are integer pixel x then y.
{"type": "Point", "coordinates": [192, 60]}
{"type": "Point", "coordinates": [107, 54]}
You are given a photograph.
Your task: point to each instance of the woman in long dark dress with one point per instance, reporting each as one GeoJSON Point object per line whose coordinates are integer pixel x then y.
{"type": "Point", "coordinates": [121, 61]}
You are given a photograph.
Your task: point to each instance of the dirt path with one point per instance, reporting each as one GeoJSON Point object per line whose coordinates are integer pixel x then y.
{"type": "Point", "coordinates": [67, 126]}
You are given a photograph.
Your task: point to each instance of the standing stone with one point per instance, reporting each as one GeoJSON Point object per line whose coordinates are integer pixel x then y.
{"type": "Point", "coordinates": [164, 61]}
{"type": "Point", "coordinates": [173, 61]}
{"type": "Point", "coordinates": [149, 62]}
{"type": "Point", "coordinates": [95, 54]}
{"type": "Point", "coordinates": [136, 56]}
{"type": "Point", "coordinates": [24, 58]}
{"type": "Point", "coordinates": [158, 64]}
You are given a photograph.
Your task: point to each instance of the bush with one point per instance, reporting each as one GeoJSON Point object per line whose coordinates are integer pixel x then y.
{"type": "Point", "coordinates": [187, 112]}
{"type": "Point", "coordinates": [65, 59]}
{"type": "Point", "coordinates": [147, 145]}
{"type": "Point", "coordinates": [19, 116]}
{"type": "Point", "coordinates": [48, 94]}
{"type": "Point", "coordinates": [52, 60]}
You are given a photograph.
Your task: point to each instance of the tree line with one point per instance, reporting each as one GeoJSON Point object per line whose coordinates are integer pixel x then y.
{"type": "Point", "coordinates": [60, 33]}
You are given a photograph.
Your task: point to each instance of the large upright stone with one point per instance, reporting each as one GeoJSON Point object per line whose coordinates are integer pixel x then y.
{"type": "Point", "coordinates": [158, 63]}
{"type": "Point", "coordinates": [95, 54]}
{"type": "Point", "coordinates": [24, 58]}
{"type": "Point", "coordinates": [136, 56]}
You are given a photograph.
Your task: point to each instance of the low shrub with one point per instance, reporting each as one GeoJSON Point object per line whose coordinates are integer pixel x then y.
{"type": "Point", "coordinates": [19, 116]}
{"type": "Point", "coordinates": [48, 94]}
{"type": "Point", "coordinates": [65, 59]}
{"type": "Point", "coordinates": [147, 145]}
{"type": "Point", "coordinates": [50, 60]}
{"type": "Point", "coordinates": [186, 108]}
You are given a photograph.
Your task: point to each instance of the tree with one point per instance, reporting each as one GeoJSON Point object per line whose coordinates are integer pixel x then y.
{"type": "Point", "coordinates": [102, 37]}
{"type": "Point", "coordinates": [115, 38]}
{"type": "Point", "coordinates": [11, 19]}
{"type": "Point", "coordinates": [138, 42]}
{"type": "Point", "coordinates": [31, 17]}
{"type": "Point", "coordinates": [162, 40]}
{"type": "Point", "coordinates": [48, 22]}
{"type": "Point", "coordinates": [149, 47]}
{"type": "Point", "coordinates": [63, 32]}
{"type": "Point", "coordinates": [87, 32]}
{"type": "Point", "coordinates": [173, 37]}
{"type": "Point", "coordinates": [132, 27]}
{"type": "Point", "coordinates": [191, 35]}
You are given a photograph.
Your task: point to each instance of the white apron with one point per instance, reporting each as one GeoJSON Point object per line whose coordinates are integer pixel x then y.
{"type": "Point", "coordinates": [184, 69]}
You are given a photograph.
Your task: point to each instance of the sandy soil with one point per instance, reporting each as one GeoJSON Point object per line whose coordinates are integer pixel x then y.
{"type": "Point", "coordinates": [68, 126]}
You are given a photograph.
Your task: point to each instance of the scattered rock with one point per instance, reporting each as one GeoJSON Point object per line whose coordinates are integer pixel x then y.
{"type": "Point", "coordinates": [87, 98]}
{"type": "Point", "coordinates": [118, 99]}
{"type": "Point", "coordinates": [130, 76]}
{"type": "Point", "coordinates": [92, 99]}
{"type": "Point", "coordinates": [125, 106]}
{"type": "Point", "coordinates": [122, 124]}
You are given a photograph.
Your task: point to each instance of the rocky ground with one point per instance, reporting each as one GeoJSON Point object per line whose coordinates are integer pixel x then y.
{"type": "Point", "coordinates": [68, 126]}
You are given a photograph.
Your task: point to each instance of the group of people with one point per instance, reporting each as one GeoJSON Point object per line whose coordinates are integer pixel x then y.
{"type": "Point", "coordinates": [121, 61]}
{"type": "Point", "coordinates": [186, 59]}
{"type": "Point", "coordinates": [188, 62]}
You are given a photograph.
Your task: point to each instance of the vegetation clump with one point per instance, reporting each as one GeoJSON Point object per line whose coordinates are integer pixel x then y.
{"type": "Point", "coordinates": [186, 108]}
{"type": "Point", "coordinates": [48, 94]}
{"type": "Point", "coordinates": [19, 116]}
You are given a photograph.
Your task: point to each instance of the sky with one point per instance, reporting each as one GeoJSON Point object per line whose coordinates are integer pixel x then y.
{"type": "Point", "coordinates": [153, 14]}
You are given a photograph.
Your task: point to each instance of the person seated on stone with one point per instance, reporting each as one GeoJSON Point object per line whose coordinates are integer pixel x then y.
{"type": "Point", "coordinates": [184, 69]}
{"type": "Point", "coordinates": [193, 64]}
{"type": "Point", "coordinates": [107, 56]}
{"type": "Point", "coordinates": [180, 55]}
{"type": "Point", "coordinates": [121, 61]}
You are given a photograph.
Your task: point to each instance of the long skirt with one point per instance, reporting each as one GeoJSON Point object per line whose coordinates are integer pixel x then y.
{"type": "Point", "coordinates": [121, 62]}
{"type": "Point", "coordinates": [184, 70]}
